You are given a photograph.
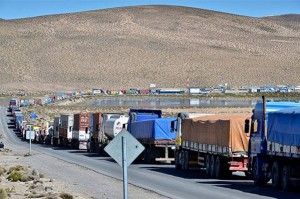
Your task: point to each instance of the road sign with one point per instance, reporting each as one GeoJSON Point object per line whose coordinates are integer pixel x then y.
{"type": "Point", "coordinates": [133, 148]}
{"type": "Point", "coordinates": [30, 134]}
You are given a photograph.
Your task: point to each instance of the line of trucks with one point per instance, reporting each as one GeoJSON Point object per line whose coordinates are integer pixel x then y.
{"type": "Point", "coordinates": [264, 145]}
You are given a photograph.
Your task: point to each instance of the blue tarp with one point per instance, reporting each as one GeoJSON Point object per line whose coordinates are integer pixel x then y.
{"type": "Point", "coordinates": [158, 129]}
{"type": "Point", "coordinates": [142, 117]}
{"type": "Point", "coordinates": [33, 115]}
{"type": "Point", "coordinates": [284, 126]}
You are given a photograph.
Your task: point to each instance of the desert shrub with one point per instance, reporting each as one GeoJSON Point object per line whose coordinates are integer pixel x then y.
{"type": "Point", "coordinates": [25, 178]}
{"type": "Point", "coordinates": [15, 176]}
{"type": "Point", "coordinates": [41, 175]}
{"type": "Point", "coordinates": [3, 194]}
{"type": "Point", "coordinates": [9, 191]}
{"type": "Point", "coordinates": [17, 168]}
{"type": "Point", "coordinates": [2, 171]}
{"type": "Point", "coordinates": [66, 196]}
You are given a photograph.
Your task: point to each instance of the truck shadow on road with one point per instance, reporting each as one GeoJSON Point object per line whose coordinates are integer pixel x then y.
{"type": "Point", "coordinates": [249, 187]}
{"type": "Point", "coordinates": [170, 170]}
{"type": "Point", "coordinates": [235, 182]}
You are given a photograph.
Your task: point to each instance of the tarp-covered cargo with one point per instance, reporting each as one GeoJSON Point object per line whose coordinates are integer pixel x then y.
{"type": "Point", "coordinates": [283, 126]}
{"type": "Point", "coordinates": [221, 130]}
{"type": "Point", "coordinates": [157, 129]}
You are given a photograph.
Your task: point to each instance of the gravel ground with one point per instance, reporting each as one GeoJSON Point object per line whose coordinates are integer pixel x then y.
{"type": "Point", "coordinates": [62, 177]}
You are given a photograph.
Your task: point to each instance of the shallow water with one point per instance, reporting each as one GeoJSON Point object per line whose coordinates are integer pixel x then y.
{"type": "Point", "coordinates": [173, 102]}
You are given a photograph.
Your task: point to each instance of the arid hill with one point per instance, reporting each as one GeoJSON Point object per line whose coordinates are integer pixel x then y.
{"type": "Point", "coordinates": [135, 46]}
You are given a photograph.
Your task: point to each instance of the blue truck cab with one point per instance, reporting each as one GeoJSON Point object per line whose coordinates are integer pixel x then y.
{"type": "Point", "coordinates": [142, 114]}
{"type": "Point", "coordinates": [263, 160]}
{"type": "Point", "coordinates": [154, 132]}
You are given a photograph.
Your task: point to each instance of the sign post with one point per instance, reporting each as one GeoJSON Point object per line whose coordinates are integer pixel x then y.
{"type": "Point", "coordinates": [131, 149]}
{"type": "Point", "coordinates": [30, 143]}
{"type": "Point", "coordinates": [124, 157]}
{"type": "Point", "coordinates": [29, 136]}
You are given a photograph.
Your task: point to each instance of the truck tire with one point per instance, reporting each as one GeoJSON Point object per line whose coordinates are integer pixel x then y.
{"type": "Point", "coordinates": [286, 178]}
{"type": "Point", "coordinates": [276, 177]}
{"type": "Point", "coordinates": [218, 172]}
{"type": "Point", "coordinates": [257, 179]}
{"type": "Point", "coordinates": [147, 156]}
{"type": "Point", "coordinates": [186, 160]}
{"type": "Point", "coordinates": [207, 164]}
{"type": "Point", "coordinates": [54, 141]}
{"type": "Point", "coordinates": [212, 166]}
{"type": "Point", "coordinates": [177, 159]}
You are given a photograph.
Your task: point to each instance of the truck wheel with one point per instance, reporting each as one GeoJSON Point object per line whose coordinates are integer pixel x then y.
{"type": "Point", "coordinates": [177, 160]}
{"type": "Point", "coordinates": [207, 164]}
{"type": "Point", "coordinates": [286, 177]}
{"type": "Point", "coordinates": [257, 179]}
{"type": "Point", "coordinates": [186, 160]}
{"type": "Point", "coordinates": [248, 175]}
{"type": "Point", "coordinates": [212, 166]}
{"type": "Point", "coordinates": [276, 175]}
{"type": "Point", "coordinates": [218, 167]}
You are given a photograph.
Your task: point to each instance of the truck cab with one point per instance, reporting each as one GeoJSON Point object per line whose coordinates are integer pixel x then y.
{"type": "Point", "coordinates": [115, 124]}
{"type": "Point", "coordinates": [259, 163]}
{"type": "Point", "coordinates": [142, 114]}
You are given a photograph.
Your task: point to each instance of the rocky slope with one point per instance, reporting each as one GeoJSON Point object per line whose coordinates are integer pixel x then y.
{"type": "Point", "coordinates": [135, 46]}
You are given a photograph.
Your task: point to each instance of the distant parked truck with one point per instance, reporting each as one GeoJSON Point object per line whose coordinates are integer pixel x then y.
{"type": "Point", "coordinates": [274, 144]}
{"type": "Point", "coordinates": [55, 136]}
{"type": "Point", "coordinates": [81, 131]}
{"type": "Point", "coordinates": [215, 142]}
{"type": "Point", "coordinates": [65, 130]}
{"type": "Point", "coordinates": [13, 102]}
{"type": "Point", "coordinates": [154, 132]}
{"type": "Point", "coordinates": [19, 117]}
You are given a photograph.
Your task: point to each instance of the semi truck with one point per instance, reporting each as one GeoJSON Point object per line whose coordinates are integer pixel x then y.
{"type": "Point", "coordinates": [55, 136]}
{"type": "Point", "coordinates": [274, 145]}
{"type": "Point", "coordinates": [81, 131]}
{"type": "Point", "coordinates": [18, 117]}
{"type": "Point", "coordinates": [214, 142]}
{"type": "Point", "coordinates": [13, 102]}
{"type": "Point", "coordinates": [65, 130]}
{"type": "Point", "coordinates": [154, 132]}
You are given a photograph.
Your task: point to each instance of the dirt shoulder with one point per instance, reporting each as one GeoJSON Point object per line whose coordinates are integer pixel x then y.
{"type": "Point", "coordinates": [52, 178]}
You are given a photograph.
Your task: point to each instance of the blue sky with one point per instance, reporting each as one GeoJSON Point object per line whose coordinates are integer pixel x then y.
{"type": "Point", "coordinates": [13, 9]}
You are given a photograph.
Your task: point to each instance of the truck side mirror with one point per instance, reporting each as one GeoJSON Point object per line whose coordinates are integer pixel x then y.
{"type": "Point", "coordinates": [173, 126]}
{"type": "Point", "coordinates": [247, 125]}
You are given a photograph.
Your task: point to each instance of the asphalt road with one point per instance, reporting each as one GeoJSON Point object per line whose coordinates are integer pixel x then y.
{"type": "Point", "coordinates": [160, 178]}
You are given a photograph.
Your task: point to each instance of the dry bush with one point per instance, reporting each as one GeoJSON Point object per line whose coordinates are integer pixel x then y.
{"type": "Point", "coordinates": [3, 194]}
{"type": "Point", "coordinates": [16, 173]}
{"type": "Point", "coordinates": [17, 168]}
{"type": "Point", "coordinates": [15, 176]}
{"type": "Point", "coordinates": [66, 196]}
{"type": "Point", "coordinates": [41, 175]}
{"type": "Point", "coordinates": [2, 171]}
{"type": "Point", "coordinates": [9, 191]}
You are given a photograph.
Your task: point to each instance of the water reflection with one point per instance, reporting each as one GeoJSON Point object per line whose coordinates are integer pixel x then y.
{"type": "Point", "coordinates": [174, 102]}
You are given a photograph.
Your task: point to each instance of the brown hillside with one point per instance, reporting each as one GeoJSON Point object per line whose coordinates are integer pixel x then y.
{"type": "Point", "coordinates": [135, 46]}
